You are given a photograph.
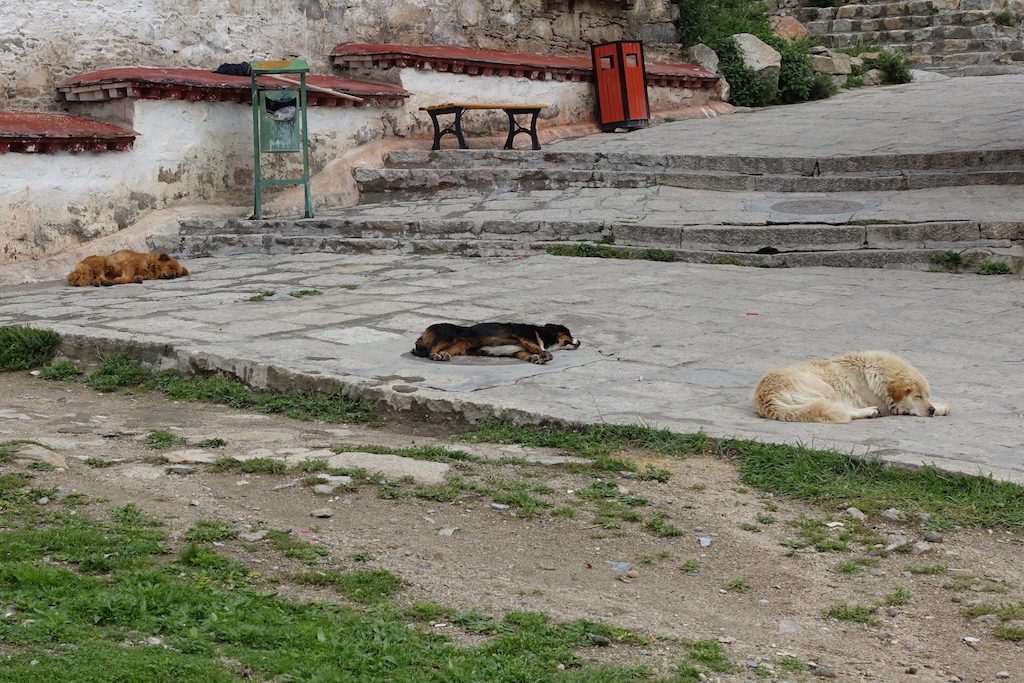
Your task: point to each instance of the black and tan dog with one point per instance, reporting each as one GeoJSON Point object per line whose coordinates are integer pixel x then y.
{"type": "Point", "coordinates": [533, 343]}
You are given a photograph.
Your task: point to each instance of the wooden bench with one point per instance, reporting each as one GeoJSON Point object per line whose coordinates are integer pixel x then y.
{"type": "Point", "coordinates": [458, 108]}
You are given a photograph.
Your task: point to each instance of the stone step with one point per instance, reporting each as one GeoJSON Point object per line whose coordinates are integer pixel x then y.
{"type": "Point", "coordinates": [964, 19]}
{"type": "Point", "coordinates": [852, 256]}
{"type": "Point", "coordinates": [406, 183]}
{"type": "Point", "coordinates": [690, 163]}
{"type": "Point", "coordinates": [876, 10]}
{"type": "Point", "coordinates": [963, 59]}
{"type": "Point", "coordinates": [906, 41]}
{"type": "Point", "coordinates": [390, 234]}
{"type": "Point", "coordinates": [996, 36]}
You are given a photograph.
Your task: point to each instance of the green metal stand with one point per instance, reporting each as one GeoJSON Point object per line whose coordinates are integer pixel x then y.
{"type": "Point", "coordinates": [275, 128]}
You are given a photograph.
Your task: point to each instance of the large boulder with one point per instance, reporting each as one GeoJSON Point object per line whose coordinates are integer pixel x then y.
{"type": "Point", "coordinates": [702, 55]}
{"type": "Point", "coordinates": [759, 57]}
{"type": "Point", "coordinates": [788, 28]}
{"type": "Point", "coordinates": [831, 63]}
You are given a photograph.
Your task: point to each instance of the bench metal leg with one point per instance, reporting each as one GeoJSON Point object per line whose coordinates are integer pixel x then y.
{"type": "Point", "coordinates": [454, 129]}
{"type": "Point", "coordinates": [515, 129]}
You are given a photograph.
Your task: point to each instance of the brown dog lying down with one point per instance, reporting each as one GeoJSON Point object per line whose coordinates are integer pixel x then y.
{"type": "Point", "coordinates": [532, 343]}
{"type": "Point", "coordinates": [123, 267]}
{"type": "Point", "coordinates": [850, 387]}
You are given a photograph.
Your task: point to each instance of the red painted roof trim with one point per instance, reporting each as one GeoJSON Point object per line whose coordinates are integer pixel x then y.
{"type": "Point", "coordinates": [477, 62]}
{"type": "Point", "coordinates": [197, 85]}
{"type": "Point", "coordinates": [33, 132]}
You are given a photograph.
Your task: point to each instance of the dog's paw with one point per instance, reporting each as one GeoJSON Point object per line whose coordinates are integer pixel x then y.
{"type": "Point", "coordinates": [441, 356]}
{"type": "Point", "coordinates": [541, 358]}
{"type": "Point", "coordinates": [873, 412]}
{"type": "Point", "coordinates": [940, 409]}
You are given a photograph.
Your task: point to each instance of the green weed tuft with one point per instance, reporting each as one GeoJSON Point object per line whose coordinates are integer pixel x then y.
{"type": "Point", "coordinates": [24, 348]}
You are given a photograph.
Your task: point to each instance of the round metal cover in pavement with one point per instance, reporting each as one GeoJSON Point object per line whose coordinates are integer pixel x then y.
{"type": "Point", "coordinates": [815, 207]}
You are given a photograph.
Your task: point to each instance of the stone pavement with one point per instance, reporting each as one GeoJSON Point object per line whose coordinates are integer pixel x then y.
{"type": "Point", "coordinates": [946, 115]}
{"type": "Point", "coordinates": [668, 344]}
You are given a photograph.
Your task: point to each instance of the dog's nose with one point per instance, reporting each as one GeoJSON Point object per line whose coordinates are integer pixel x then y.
{"type": "Point", "coordinates": [575, 343]}
{"type": "Point", "coordinates": [931, 410]}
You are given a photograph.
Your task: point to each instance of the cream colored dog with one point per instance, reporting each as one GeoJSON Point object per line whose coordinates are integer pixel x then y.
{"type": "Point", "coordinates": [850, 387]}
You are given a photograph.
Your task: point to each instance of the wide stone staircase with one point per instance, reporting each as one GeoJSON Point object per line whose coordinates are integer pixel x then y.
{"type": "Point", "coordinates": [956, 37]}
{"type": "Point", "coordinates": [498, 202]}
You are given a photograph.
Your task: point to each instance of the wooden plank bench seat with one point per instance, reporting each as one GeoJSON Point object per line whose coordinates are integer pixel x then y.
{"type": "Point", "coordinates": [459, 108]}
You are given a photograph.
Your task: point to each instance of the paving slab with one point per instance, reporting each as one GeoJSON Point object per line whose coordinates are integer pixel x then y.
{"type": "Point", "coordinates": [667, 344]}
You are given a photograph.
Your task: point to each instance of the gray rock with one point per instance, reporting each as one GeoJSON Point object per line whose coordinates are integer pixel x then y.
{"type": "Point", "coordinates": [759, 57]}
{"type": "Point", "coordinates": [393, 466]}
{"type": "Point", "coordinates": [897, 544]}
{"type": "Point", "coordinates": [321, 512]}
{"type": "Point", "coordinates": [254, 536]}
{"type": "Point", "coordinates": [874, 77]}
{"type": "Point", "coordinates": [192, 455]}
{"type": "Point", "coordinates": [43, 501]}
{"type": "Point", "coordinates": [823, 672]}
{"type": "Point", "coordinates": [499, 506]}
{"type": "Point", "coordinates": [324, 489]}
{"type": "Point", "coordinates": [788, 626]}
{"type": "Point", "coordinates": [933, 537]}
{"type": "Point", "coordinates": [29, 452]}
{"type": "Point", "coordinates": [921, 547]}
{"type": "Point", "coordinates": [856, 514]}
{"type": "Point", "coordinates": [600, 641]}
{"type": "Point", "coordinates": [702, 55]}
{"type": "Point", "coordinates": [892, 514]}
{"type": "Point", "coordinates": [1002, 674]}
{"type": "Point", "coordinates": [705, 541]}
{"type": "Point", "coordinates": [180, 469]}
{"type": "Point", "coordinates": [447, 531]}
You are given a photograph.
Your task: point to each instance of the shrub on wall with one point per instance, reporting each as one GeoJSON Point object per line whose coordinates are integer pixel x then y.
{"type": "Point", "coordinates": [713, 22]}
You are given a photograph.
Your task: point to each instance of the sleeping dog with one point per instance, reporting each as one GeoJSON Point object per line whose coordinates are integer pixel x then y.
{"type": "Point", "coordinates": [531, 343]}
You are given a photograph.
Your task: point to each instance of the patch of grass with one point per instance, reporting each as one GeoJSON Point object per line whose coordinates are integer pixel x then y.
{"type": "Point", "coordinates": [750, 527]}
{"type": "Point", "coordinates": [589, 250]}
{"type": "Point", "coordinates": [116, 372]}
{"type": "Point", "coordinates": [792, 664]}
{"type": "Point", "coordinates": [311, 465]}
{"type": "Point", "coordinates": [41, 466]}
{"type": "Point", "coordinates": [430, 453]}
{"type": "Point", "coordinates": [994, 268]}
{"type": "Point", "coordinates": [295, 548]}
{"type": "Point", "coordinates": [1007, 611]}
{"type": "Point", "coordinates": [326, 407]}
{"type": "Point", "coordinates": [659, 527]}
{"type": "Point", "coordinates": [691, 566]}
{"type": "Point", "coordinates": [827, 478]}
{"type": "Point", "coordinates": [444, 492]}
{"type": "Point", "coordinates": [814, 533]}
{"type": "Point", "coordinates": [610, 513]}
{"type": "Point", "coordinates": [349, 287]}
{"type": "Point", "coordinates": [161, 438]}
{"type": "Point", "coordinates": [24, 348]}
{"type": "Point", "coordinates": [765, 519]}
{"type": "Point", "coordinates": [1014, 635]}
{"type": "Point", "coordinates": [1005, 18]}
{"type": "Point", "coordinates": [299, 294]}
{"type": "Point", "coordinates": [927, 569]}
{"type": "Point", "coordinates": [224, 464]}
{"type": "Point", "coordinates": [738, 585]}
{"type": "Point", "coordinates": [64, 371]}
{"type": "Point", "coordinates": [953, 261]}
{"type": "Point", "coordinates": [899, 596]}
{"type": "Point", "coordinates": [658, 474]}
{"type": "Point", "coordinates": [564, 512]}
{"type": "Point", "coordinates": [209, 530]}
{"type": "Point", "coordinates": [262, 465]}
{"type": "Point", "coordinates": [266, 294]}
{"type": "Point", "coordinates": [98, 463]}
{"type": "Point", "coordinates": [858, 613]}
{"type": "Point", "coordinates": [365, 586]}
{"type": "Point", "coordinates": [727, 261]}
{"type": "Point", "coordinates": [857, 564]}
{"type": "Point", "coordinates": [895, 65]}
{"type": "Point", "coordinates": [215, 442]}
{"type": "Point", "coordinates": [711, 654]}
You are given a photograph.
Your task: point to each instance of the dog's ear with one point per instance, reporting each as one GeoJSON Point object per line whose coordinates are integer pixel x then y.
{"type": "Point", "coordinates": [898, 389]}
{"type": "Point", "coordinates": [163, 257]}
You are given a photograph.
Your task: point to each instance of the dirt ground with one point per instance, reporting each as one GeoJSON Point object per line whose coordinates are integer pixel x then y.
{"type": "Point", "coordinates": [764, 601]}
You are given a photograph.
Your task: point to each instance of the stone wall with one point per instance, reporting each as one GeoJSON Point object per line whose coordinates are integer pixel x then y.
{"type": "Point", "coordinates": [41, 43]}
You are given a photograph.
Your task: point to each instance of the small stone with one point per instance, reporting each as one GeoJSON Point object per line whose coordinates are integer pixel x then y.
{"type": "Point", "coordinates": [632, 573]}
{"type": "Point", "coordinates": [972, 641]}
{"type": "Point", "coordinates": [627, 475]}
{"type": "Point", "coordinates": [194, 503]}
{"type": "Point", "coordinates": [600, 641]}
{"type": "Point", "coordinates": [180, 469]}
{"type": "Point", "coordinates": [823, 672]}
{"type": "Point", "coordinates": [892, 514]}
{"type": "Point", "coordinates": [321, 512]}
{"type": "Point", "coordinates": [726, 640]}
{"type": "Point", "coordinates": [37, 453]}
{"type": "Point", "coordinates": [788, 626]}
{"type": "Point", "coordinates": [1002, 674]}
{"type": "Point", "coordinates": [920, 548]}
{"type": "Point", "coordinates": [10, 611]}
{"type": "Point", "coordinates": [254, 536]}
{"type": "Point", "coordinates": [42, 501]}
{"type": "Point", "coordinates": [897, 544]}
{"type": "Point", "coordinates": [499, 506]}
{"type": "Point", "coordinates": [933, 537]}
{"type": "Point", "coordinates": [286, 485]}
{"type": "Point", "coordinates": [910, 670]}
{"type": "Point", "coordinates": [153, 640]}
{"type": "Point", "coordinates": [623, 491]}
{"type": "Point", "coordinates": [705, 541]}
{"type": "Point", "coordinates": [324, 489]}
{"type": "Point", "coordinates": [447, 531]}
{"type": "Point", "coordinates": [856, 514]}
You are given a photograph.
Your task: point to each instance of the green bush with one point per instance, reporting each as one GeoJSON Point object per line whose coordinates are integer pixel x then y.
{"type": "Point", "coordinates": [709, 21]}
{"type": "Point", "coordinates": [746, 89]}
{"type": "Point", "coordinates": [24, 348]}
{"type": "Point", "coordinates": [1005, 18]}
{"type": "Point", "coordinates": [896, 66]}
{"type": "Point", "coordinates": [798, 81]}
